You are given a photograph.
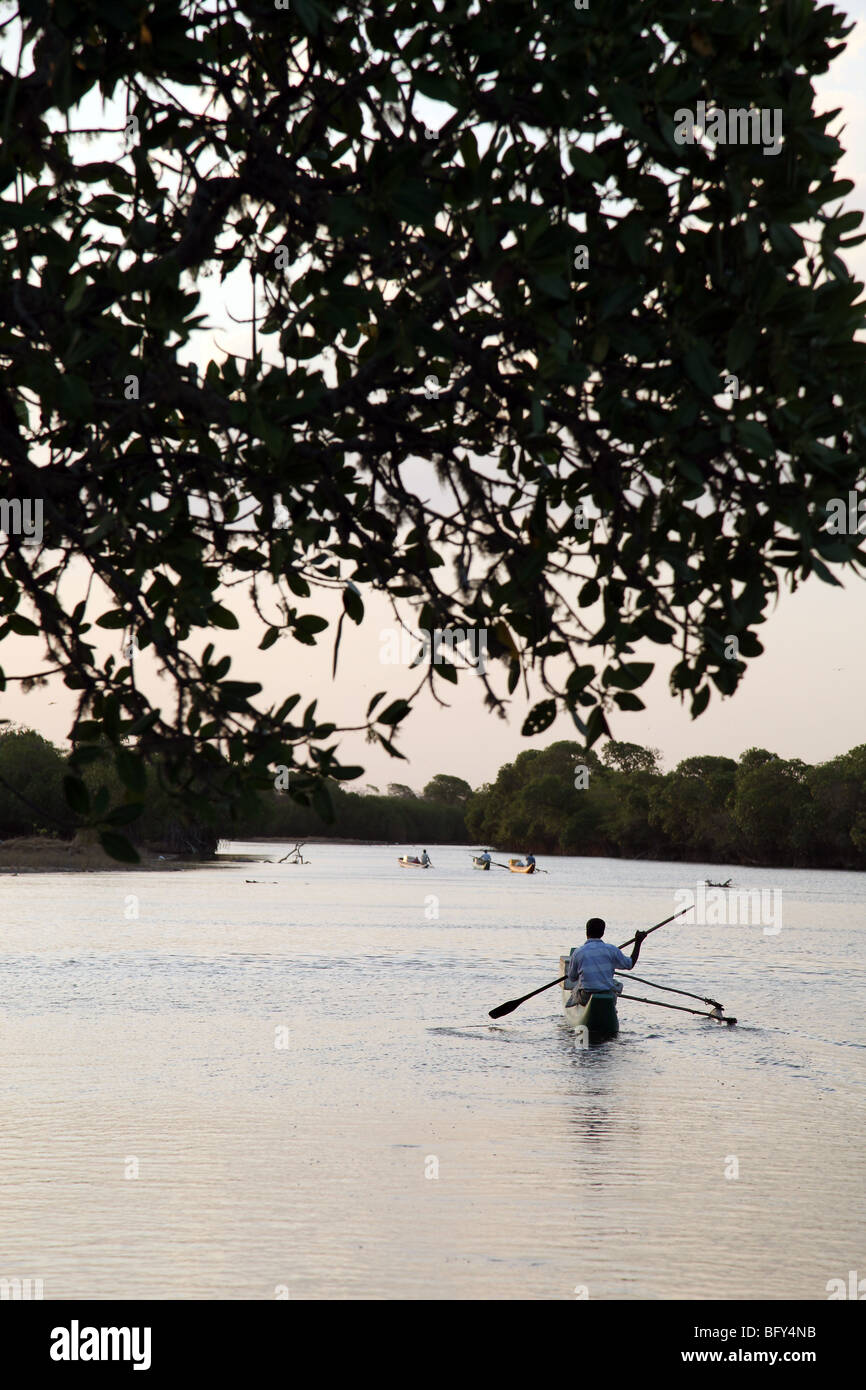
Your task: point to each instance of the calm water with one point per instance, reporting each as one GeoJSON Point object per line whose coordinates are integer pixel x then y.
{"type": "Point", "coordinates": [290, 1063]}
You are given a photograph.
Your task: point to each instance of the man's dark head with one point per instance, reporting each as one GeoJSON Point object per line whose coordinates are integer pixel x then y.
{"type": "Point", "coordinates": [594, 929]}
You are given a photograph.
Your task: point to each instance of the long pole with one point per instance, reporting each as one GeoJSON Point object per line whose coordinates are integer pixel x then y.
{"type": "Point", "coordinates": [661, 1004]}
{"type": "Point", "coordinates": [659, 924]}
{"type": "Point", "coordinates": [670, 990]}
{"type": "Point", "coordinates": [508, 867]}
{"type": "Point", "coordinates": [502, 1009]}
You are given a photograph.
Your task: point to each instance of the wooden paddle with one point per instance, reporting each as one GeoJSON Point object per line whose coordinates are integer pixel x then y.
{"type": "Point", "coordinates": [502, 1009]}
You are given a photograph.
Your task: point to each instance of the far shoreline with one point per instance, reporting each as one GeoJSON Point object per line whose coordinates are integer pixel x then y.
{"type": "Point", "coordinates": [43, 854]}
{"type": "Point", "coordinates": [38, 854]}
{"type": "Point", "coordinates": [325, 840]}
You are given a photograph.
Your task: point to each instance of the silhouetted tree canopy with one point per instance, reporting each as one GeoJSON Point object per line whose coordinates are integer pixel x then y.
{"type": "Point", "coordinates": [453, 791]}
{"type": "Point", "coordinates": [630, 757]}
{"type": "Point", "coordinates": [31, 785]}
{"type": "Point", "coordinates": [578, 284]}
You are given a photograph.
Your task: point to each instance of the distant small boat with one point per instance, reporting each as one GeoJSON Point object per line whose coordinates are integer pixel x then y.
{"type": "Point", "coordinates": [598, 1016]}
{"type": "Point", "coordinates": [412, 862]}
{"type": "Point", "coordinates": [718, 885]}
{"type": "Point", "coordinates": [479, 863]}
{"type": "Point", "coordinates": [517, 866]}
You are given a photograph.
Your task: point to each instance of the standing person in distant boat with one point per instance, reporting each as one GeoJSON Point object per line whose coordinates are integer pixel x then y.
{"type": "Point", "coordinates": [485, 858]}
{"type": "Point", "coordinates": [425, 859]}
{"type": "Point", "coordinates": [530, 860]}
{"type": "Point", "coordinates": [591, 966]}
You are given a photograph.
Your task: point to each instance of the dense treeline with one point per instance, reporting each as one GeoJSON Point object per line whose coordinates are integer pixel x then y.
{"type": "Point", "coordinates": [32, 799]}
{"type": "Point", "coordinates": [32, 802]}
{"type": "Point", "coordinates": [762, 809]}
{"type": "Point", "coordinates": [411, 819]}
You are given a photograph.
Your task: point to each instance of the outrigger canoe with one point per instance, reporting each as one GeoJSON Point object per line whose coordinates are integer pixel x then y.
{"type": "Point", "coordinates": [518, 867]}
{"type": "Point", "coordinates": [478, 863]}
{"type": "Point", "coordinates": [412, 863]}
{"type": "Point", "coordinates": [599, 1016]}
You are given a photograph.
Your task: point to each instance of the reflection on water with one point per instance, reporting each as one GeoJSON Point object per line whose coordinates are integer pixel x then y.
{"type": "Point", "coordinates": [304, 1078]}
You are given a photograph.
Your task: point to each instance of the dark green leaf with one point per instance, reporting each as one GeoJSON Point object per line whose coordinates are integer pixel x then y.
{"type": "Point", "coordinates": [18, 623]}
{"type": "Point", "coordinates": [630, 675]}
{"type": "Point", "coordinates": [700, 700]}
{"type": "Point", "coordinates": [77, 795]}
{"type": "Point", "coordinates": [396, 711]}
{"type": "Point", "coordinates": [353, 604]}
{"type": "Point", "coordinates": [118, 847]}
{"type": "Point", "coordinates": [221, 617]}
{"type": "Point", "coordinates": [540, 717]}
{"type": "Point", "coordinates": [131, 770]}
{"type": "Point", "coordinates": [116, 618]}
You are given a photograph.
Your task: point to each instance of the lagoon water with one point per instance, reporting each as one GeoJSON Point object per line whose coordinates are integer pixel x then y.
{"type": "Point", "coordinates": [302, 1073]}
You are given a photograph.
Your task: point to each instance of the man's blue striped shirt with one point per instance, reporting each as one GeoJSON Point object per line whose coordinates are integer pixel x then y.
{"type": "Point", "coordinates": [591, 965]}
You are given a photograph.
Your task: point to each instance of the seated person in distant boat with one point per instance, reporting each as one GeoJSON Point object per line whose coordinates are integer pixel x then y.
{"type": "Point", "coordinates": [425, 859]}
{"type": "Point", "coordinates": [591, 966]}
{"type": "Point", "coordinates": [530, 861]}
{"type": "Point", "coordinates": [485, 857]}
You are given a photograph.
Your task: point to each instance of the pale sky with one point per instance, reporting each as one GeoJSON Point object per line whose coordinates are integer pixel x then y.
{"type": "Point", "coordinates": [805, 697]}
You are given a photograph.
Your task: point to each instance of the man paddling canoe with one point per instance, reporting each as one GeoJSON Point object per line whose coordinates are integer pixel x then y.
{"type": "Point", "coordinates": [591, 966]}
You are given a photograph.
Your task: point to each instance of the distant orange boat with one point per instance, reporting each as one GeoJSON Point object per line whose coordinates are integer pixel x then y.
{"type": "Point", "coordinates": [517, 866]}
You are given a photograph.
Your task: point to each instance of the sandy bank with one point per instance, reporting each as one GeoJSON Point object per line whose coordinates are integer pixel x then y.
{"type": "Point", "coordinates": [40, 854]}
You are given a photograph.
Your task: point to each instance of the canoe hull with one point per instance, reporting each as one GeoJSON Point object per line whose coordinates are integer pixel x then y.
{"type": "Point", "coordinates": [599, 1016]}
{"type": "Point", "coordinates": [480, 864]}
{"type": "Point", "coordinates": [520, 868]}
{"type": "Point", "coordinates": [412, 864]}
